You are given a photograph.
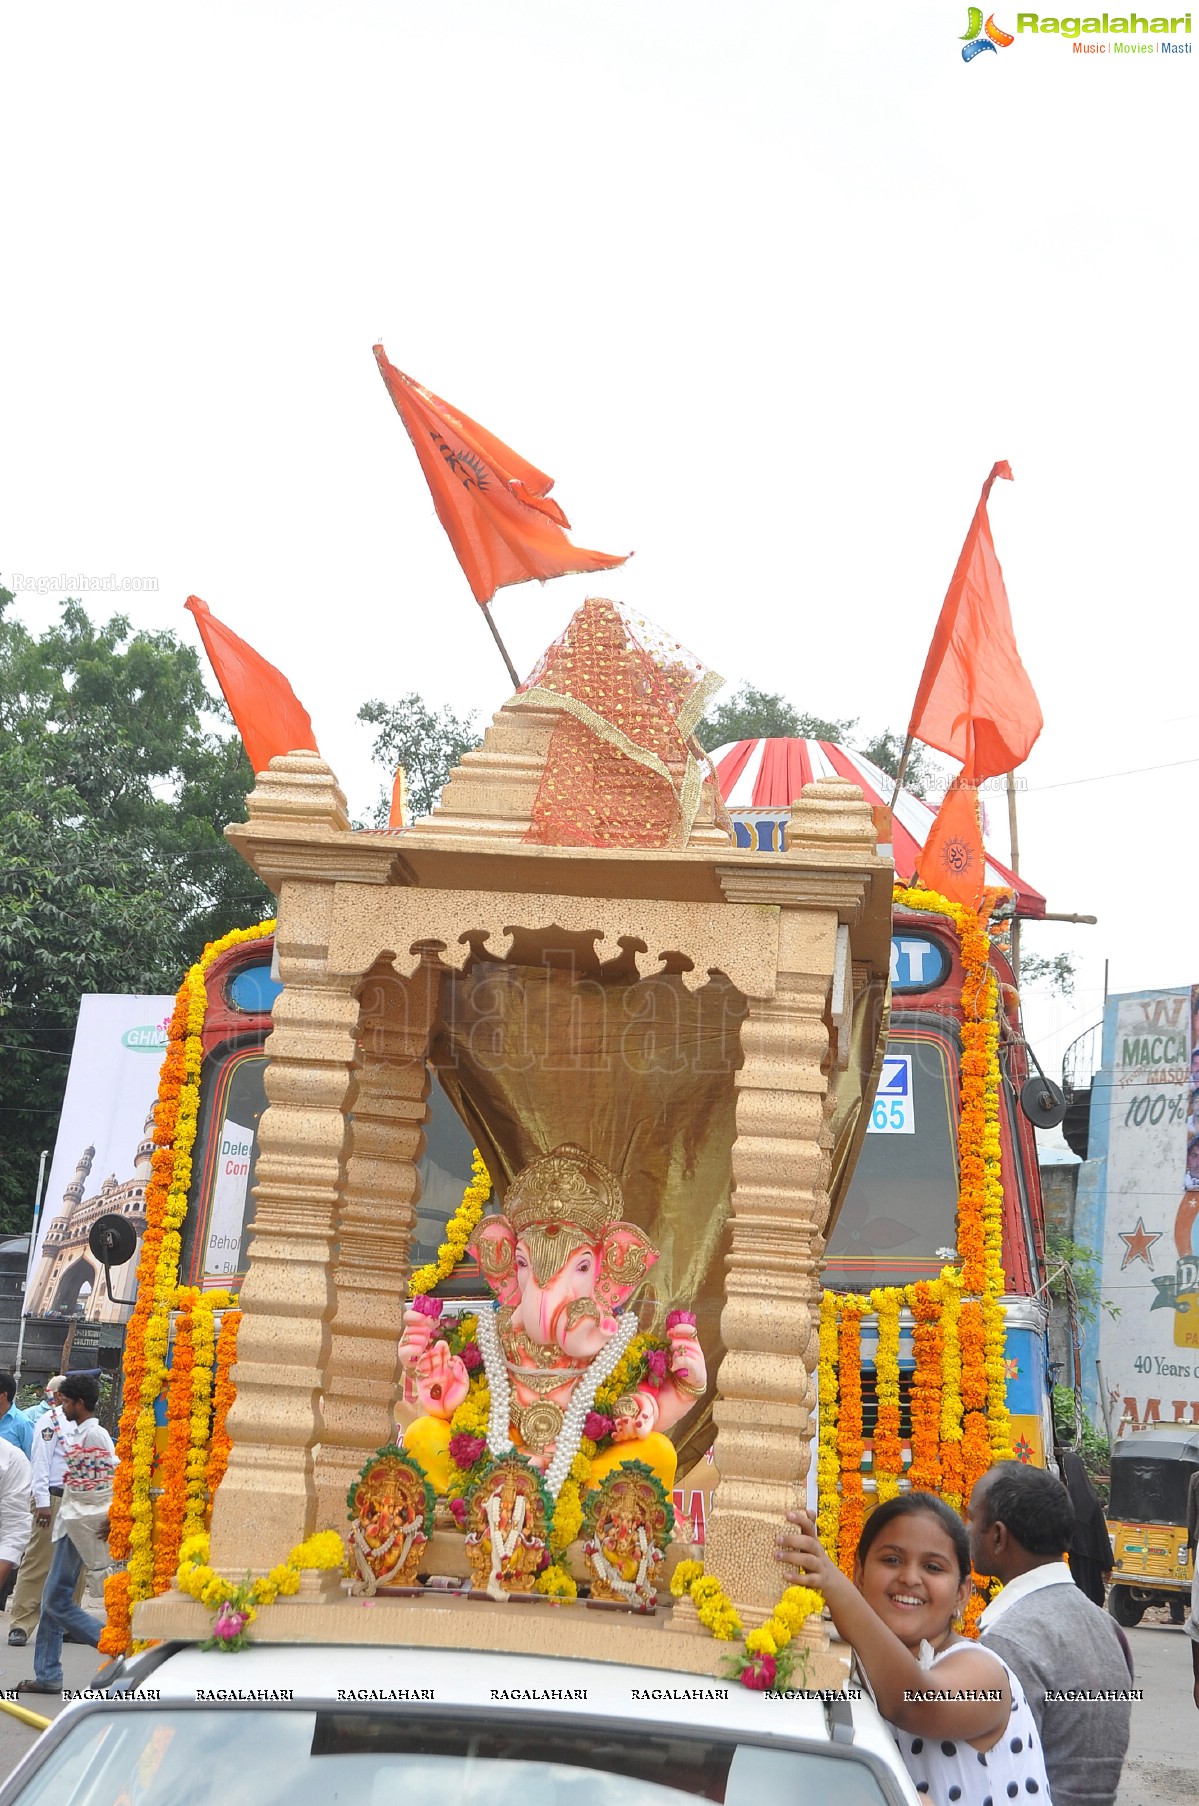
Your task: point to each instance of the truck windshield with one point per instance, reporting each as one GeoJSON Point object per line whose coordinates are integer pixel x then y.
{"type": "Point", "coordinates": [298, 1757]}
{"type": "Point", "coordinates": [902, 1202]}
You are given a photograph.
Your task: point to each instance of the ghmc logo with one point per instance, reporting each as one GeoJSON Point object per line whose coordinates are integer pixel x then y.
{"type": "Point", "coordinates": [974, 41]}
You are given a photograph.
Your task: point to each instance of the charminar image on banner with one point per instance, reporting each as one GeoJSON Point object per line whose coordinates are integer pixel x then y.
{"type": "Point", "coordinates": [101, 1157]}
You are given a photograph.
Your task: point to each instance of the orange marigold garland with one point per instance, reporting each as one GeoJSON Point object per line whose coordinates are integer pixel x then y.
{"type": "Point", "coordinates": [172, 1471]}
{"type": "Point", "coordinates": [223, 1394]}
{"type": "Point", "coordinates": [175, 1119]}
{"type": "Point", "coordinates": [849, 1428]}
{"type": "Point", "coordinates": [928, 1351]}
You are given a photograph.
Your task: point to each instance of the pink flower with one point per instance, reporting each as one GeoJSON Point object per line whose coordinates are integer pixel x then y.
{"type": "Point", "coordinates": [677, 1317]}
{"type": "Point", "coordinates": [759, 1673]}
{"type": "Point", "coordinates": [470, 1357]}
{"type": "Point", "coordinates": [656, 1367]}
{"type": "Point", "coordinates": [229, 1622]}
{"type": "Point", "coordinates": [465, 1449]}
{"type": "Point", "coordinates": [596, 1426]}
{"type": "Point", "coordinates": [428, 1307]}
{"type": "Point", "coordinates": [458, 1511]}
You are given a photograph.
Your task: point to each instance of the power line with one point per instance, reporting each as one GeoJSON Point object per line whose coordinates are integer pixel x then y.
{"type": "Point", "coordinates": [1102, 777]}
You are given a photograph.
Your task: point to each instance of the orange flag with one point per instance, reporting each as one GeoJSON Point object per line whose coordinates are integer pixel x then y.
{"type": "Point", "coordinates": [975, 701]}
{"type": "Point", "coordinates": [269, 717]}
{"type": "Point", "coordinates": [494, 506]}
{"type": "Point", "coordinates": [952, 860]}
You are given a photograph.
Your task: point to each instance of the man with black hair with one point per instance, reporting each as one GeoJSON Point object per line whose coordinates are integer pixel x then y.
{"type": "Point", "coordinates": [1071, 1658]}
{"type": "Point", "coordinates": [15, 1426]}
{"type": "Point", "coordinates": [79, 1535]}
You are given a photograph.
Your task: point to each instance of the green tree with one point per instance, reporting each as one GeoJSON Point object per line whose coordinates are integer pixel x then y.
{"type": "Point", "coordinates": [1055, 973]}
{"type": "Point", "coordinates": [427, 742]}
{"type": "Point", "coordinates": [750, 714]}
{"type": "Point", "coordinates": [114, 869]}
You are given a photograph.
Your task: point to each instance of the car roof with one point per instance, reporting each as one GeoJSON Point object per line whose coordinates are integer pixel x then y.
{"type": "Point", "coordinates": [472, 1680]}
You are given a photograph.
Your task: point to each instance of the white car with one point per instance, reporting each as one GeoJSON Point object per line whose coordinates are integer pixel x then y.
{"type": "Point", "coordinates": [307, 1725]}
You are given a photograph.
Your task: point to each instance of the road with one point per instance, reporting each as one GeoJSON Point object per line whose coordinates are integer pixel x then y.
{"type": "Point", "coordinates": [1160, 1769]}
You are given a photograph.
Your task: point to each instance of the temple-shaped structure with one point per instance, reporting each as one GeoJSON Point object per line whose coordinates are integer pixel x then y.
{"type": "Point", "coordinates": [573, 944]}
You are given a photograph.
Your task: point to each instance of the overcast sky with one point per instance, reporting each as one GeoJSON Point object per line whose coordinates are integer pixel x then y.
{"type": "Point", "coordinates": [768, 288]}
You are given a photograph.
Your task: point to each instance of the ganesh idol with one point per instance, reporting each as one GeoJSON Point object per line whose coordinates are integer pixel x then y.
{"type": "Point", "coordinates": [561, 1263]}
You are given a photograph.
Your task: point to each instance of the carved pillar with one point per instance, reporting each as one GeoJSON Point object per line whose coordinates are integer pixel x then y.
{"type": "Point", "coordinates": [266, 1503]}
{"type": "Point", "coordinates": [780, 1203]}
{"type": "Point", "coordinates": [378, 1214]}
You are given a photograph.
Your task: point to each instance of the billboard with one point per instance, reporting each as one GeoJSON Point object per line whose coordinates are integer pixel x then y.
{"type": "Point", "coordinates": [102, 1156]}
{"type": "Point", "coordinates": [1144, 1170]}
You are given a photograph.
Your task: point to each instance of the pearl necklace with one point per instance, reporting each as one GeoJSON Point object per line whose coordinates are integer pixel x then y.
{"type": "Point", "coordinates": [499, 1442]}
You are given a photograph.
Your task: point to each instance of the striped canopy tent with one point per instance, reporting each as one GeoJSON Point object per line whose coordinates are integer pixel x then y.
{"type": "Point", "coordinates": [760, 776]}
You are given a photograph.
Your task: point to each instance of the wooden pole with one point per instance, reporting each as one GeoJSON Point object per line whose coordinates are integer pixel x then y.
{"type": "Point", "coordinates": [1015, 862]}
{"type": "Point", "coordinates": [904, 756]}
{"type": "Point", "coordinates": [495, 634]}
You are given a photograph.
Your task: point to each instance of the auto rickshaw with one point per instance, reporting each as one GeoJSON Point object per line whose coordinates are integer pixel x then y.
{"type": "Point", "coordinates": [1146, 1520]}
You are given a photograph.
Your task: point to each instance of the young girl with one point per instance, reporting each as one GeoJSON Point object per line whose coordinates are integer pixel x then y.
{"type": "Point", "coordinates": [957, 1712]}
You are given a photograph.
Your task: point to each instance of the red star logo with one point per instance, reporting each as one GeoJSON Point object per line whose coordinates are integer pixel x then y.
{"type": "Point", "coordinates": [1011, 1368]}
{"type": "Point", "coordinates": [1024, 1450]}
{"type": "Point", "coordinates": [1138, 1243]}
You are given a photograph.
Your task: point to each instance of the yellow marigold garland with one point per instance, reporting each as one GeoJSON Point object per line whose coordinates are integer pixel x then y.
{"type": "Point", "coordinates": [235, 1607]}
{"type": "Point", "coordinates": [888, 1450]}
{"type": "Point", "coordinates": [459, 1230]}
{"type": "Point", "coordinates": [828, 1467]}
{"type": "Point", "coordinates": [760, 1665]}
{"type": "Point", "coordinates": [146, 1338]}
{"type": "Point", "coordinates": [960, 1421]}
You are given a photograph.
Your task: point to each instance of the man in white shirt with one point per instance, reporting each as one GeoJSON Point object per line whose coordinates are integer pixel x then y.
{"type": "Point", "coordinates": [79, 1534]}
{"type": "Point", "coordinates": [15, 1516]}
{"type": "Point", "coordinates": [52, 1436]}
{"type": "Point", "coordinates": [1066, 1652]}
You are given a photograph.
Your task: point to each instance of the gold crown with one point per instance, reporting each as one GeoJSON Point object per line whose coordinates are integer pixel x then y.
{"type": "Point", "coordinates": [566, 1186]}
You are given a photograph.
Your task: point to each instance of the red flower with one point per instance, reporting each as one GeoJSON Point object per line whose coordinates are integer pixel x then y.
{"type": "Point", "coordinates": [470, 1357]}
{"type": "Point", "coordinates": [465, 1450]}
{"type": "Point", "coordinates": [596, 1426]}
{"type": "Point", "coordinates": [759, 1673]}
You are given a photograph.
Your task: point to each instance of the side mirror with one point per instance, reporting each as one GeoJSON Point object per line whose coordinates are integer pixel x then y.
{"type": "Point", "coordinates": [1043, 1102]}
{"type": "Point", "coordinates": [113, 1240]}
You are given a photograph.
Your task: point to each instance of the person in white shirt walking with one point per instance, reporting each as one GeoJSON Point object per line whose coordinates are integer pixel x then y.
{"type": "Point", "coordinates": [15, 1517]}
{"type": "Point", "coordinates": [52, 1436]}
{"type": "Point", "coordinates": [79, 1535]}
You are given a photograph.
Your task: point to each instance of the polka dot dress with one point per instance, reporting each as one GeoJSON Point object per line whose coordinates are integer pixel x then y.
{"type": "Point", "coordinates": [946, 1773]}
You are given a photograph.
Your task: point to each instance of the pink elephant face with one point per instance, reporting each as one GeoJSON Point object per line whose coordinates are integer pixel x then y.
{"type": "Point", "coordinates": [542, 1310]}
{"type": "Point", "coordinates": [542, 1292]}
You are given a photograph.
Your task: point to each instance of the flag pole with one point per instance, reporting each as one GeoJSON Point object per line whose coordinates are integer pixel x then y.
{"type": "Point", "coordinates": [904, 756]}
{"type": "Point", "coordinates": [495, 634]}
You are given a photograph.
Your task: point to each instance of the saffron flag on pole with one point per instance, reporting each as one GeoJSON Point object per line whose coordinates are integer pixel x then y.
{"type": "Point", "coordinates": [494, 505]}
{"type": "Point", "coordinates": [269, 717]}
{"type": "Point", "coordinates": [975, 701]}
{"type": "Point", "coordinates": [952, 859]}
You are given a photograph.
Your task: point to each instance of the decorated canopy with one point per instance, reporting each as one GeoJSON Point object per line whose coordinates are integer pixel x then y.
{"type": "Point", "coordinates": [770, 774]}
